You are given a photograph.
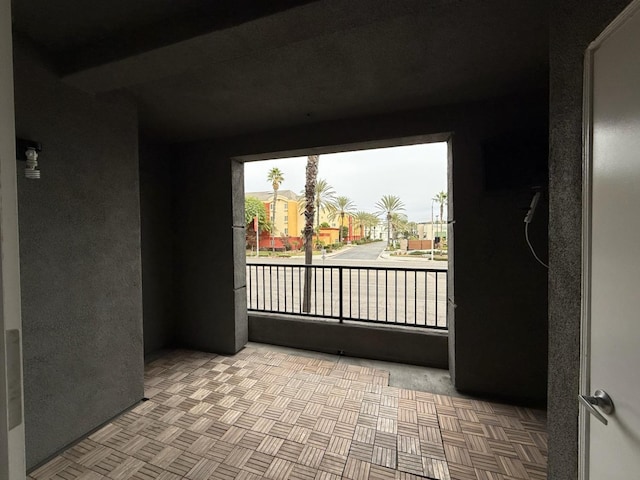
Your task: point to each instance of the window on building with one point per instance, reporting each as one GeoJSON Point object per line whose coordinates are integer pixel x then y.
{"type": "Point", "coordinates": [286, 207]}
{"type": "Point", "coordinates": [286, 218]}
{"type": "Point", "coordinates": [286, 231]}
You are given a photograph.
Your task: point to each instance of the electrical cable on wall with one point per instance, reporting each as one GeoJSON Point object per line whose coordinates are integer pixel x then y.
{"type": "Point", "coordinates": [527, 220]}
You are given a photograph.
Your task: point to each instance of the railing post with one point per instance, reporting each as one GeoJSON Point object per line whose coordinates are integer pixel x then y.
{"type": "Point", "coordinates": [340, 298]}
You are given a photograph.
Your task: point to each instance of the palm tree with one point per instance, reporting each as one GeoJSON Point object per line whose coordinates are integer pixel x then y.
{"type": "Point", "coordinates": [342, 206]}
{"type": "Point", "coordinates": [366, 221]}
{"type": "Point", "coordinates": [361, 218]}
{"type": "Point", "coordinates": [310, 196]}
{"type": "Point", "coordinates": [387, 206]}
{"type": "Point", "coordinates": [276, 177]}
{"type": "Point", "coordinates": [412, 228]}
{"type": "Point", "coordinates": [324, 198]}
{"type": "Point", "coordinates": [441, 198]}
{"type": "Point", "coordinates": [400, 224]}
{"type": "Point", "coordinates": [372, 223]}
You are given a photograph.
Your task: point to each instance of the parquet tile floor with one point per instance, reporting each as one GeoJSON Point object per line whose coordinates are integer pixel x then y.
{"type": "Point", "coordinates": [269, 415]}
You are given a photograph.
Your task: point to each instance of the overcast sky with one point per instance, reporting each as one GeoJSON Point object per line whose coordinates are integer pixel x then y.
{"type": "Point", "coordinates": [414, 173]}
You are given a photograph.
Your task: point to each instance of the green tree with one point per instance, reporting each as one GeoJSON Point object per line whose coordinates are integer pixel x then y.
{"type": "Point", "coordinates": [412, 229]}
{"type": "Point", "coordinates": [342, 206]}
{"type": "Point", "coordinates": [276, 177]}
{"type": "Point", "coordinates": [387, 206]}
{"type": "Point", "coordinates": [255, 208]}
{"type": "Point", "coordinates": [400, 225]}
{"type": "Point", "coordinates": [371, 223]}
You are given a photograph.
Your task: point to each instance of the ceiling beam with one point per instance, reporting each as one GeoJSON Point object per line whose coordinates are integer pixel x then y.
{"type": "Point", "coordinates": [158, 53]}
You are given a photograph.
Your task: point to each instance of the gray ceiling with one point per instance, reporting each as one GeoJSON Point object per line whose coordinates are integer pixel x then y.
{"type": "Point", "coordinates": [199, 71]}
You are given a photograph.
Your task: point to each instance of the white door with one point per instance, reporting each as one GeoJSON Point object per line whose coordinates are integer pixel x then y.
{"type": "Point", "coordinates": [611, 313]}
{"type": "Point", "coordinates": [12, 458]}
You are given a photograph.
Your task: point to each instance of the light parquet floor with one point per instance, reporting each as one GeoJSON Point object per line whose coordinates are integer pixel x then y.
{"type": "Point", "coordinates": [261, 414]}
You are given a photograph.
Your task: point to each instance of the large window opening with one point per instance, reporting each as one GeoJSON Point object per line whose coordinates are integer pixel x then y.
{"type": "Point", "coordinates": [377, 232]}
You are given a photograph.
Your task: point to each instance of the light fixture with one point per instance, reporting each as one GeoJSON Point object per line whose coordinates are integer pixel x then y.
{"type": "Point", "coordinates": [30, 150]}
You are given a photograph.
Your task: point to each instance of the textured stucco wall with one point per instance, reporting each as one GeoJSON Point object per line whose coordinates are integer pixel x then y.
{"type": "Point", "coordinates": [79, 258]}
{"type": "Point", "coordinates": [501, 320]}
{"type": "Point", "coordinates": [500, 343]}
{"type": "Point", "coordinates": [157, 245]}
{"type": "Point", "coordinates": [574, 25]}
{"type": "Point", "coordinates": [211, 299]}
{"type": "Point", "coordinates": [354, 340]}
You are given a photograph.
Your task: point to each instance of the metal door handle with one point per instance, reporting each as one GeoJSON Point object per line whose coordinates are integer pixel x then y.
{"type": "Point", "coordinates": [599, 399]}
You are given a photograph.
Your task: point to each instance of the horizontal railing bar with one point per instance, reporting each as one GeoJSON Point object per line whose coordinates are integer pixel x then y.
{"type": "Point", "coordinates": [347, 319]}
{"type": "Point", "coordinates": [348, 267]}
{"type": "Point", "coordinates": [301, 314]}
{"type": "Point", "coordinates": [400, 324]}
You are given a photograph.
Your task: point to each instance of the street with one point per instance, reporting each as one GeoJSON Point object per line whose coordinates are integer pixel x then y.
{"type": "Point", "coordinates": [368, 255]}
{"type": "Point", "coordinates": [369, 251]}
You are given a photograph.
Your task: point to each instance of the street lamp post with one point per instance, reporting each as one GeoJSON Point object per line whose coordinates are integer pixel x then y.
{"type": "Point", "coordinates": [256, 227]}
{"type": "Point", "coordinates": [433, 232]}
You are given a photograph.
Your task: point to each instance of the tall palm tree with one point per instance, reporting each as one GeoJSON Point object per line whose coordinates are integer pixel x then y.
{"type": "Point", "coordinates": [387, 206]}
{"type": "Point", "coordinates": [441, 198]}
{"type": "Point", "coordinates": [341, 207]}
{"type": "Point", "coordinates": [276, 177]}
{"type": "Point", "coordinates": [310, 197]}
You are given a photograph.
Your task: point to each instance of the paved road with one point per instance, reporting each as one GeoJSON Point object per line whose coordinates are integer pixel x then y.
{"type": "Point", "coordinates": [369, 251]}
{"type": "Point", "coordinates": [360, 255]}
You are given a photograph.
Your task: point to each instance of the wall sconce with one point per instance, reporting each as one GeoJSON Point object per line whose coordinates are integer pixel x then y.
{"type": "Point", "coordinates": [30, 149]}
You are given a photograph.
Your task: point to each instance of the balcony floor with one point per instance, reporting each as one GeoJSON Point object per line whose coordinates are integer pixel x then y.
{"type": "Point", "coordinates": [267, 413]}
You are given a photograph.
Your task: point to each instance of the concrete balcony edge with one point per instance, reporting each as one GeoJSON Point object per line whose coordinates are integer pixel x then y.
{"type": "Point", "coordinates": [412, 346]}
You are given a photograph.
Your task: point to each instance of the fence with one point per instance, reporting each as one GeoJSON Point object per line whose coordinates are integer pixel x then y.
{"type": "Point", "coordinates": [385, 296]}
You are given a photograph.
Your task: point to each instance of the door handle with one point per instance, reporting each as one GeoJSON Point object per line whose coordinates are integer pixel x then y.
{"type": "Point", "coordinates": [599, 399]}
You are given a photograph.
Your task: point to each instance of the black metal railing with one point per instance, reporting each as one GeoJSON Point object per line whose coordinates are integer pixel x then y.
{"type": "Point", "coordinates": [393, 296]}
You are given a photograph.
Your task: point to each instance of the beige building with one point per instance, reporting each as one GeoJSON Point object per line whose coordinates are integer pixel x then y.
{"type": "Point", "coordinates": [429, 230]}
{"type": "Point", "coordinates": [288, 220]}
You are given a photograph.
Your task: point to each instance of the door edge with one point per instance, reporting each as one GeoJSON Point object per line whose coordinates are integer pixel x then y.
{"type": "Point", "coordinates": [587, 182]}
